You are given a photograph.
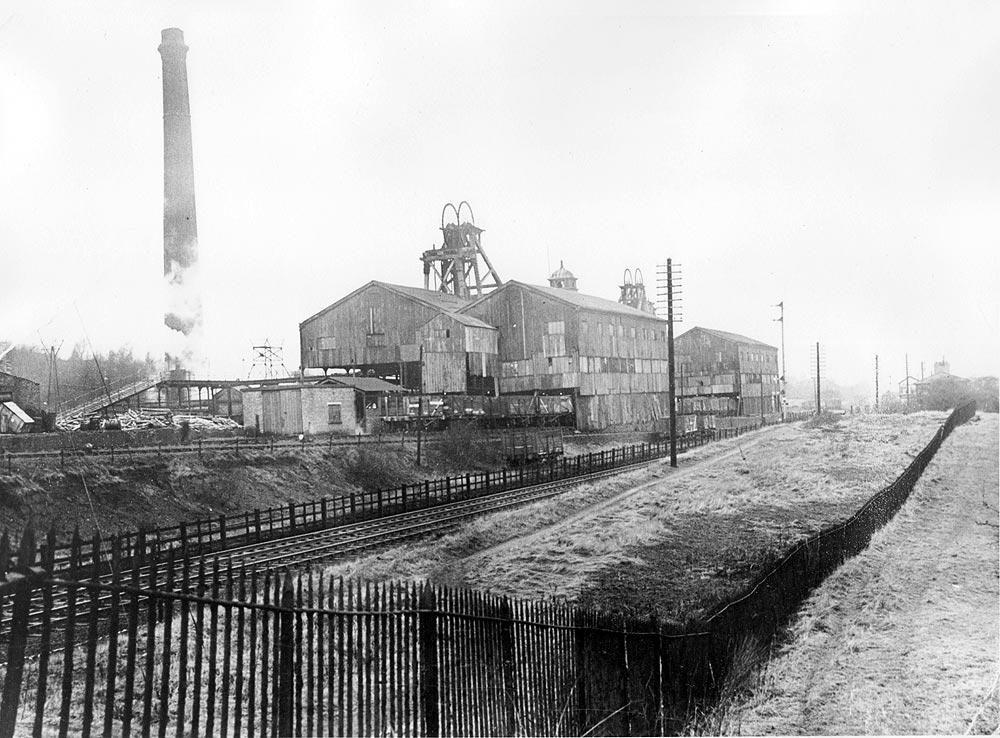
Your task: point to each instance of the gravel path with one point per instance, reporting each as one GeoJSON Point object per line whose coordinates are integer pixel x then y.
{"type": "Point", "coordinates": [903, 638]}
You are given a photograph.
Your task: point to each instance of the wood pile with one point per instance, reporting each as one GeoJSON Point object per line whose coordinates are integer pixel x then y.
{"type": "Point", "coordinates": [147, 418]}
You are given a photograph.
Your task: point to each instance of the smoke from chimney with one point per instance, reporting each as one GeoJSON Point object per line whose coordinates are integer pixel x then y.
{"type": "Point", "coordinates": [180, 227]}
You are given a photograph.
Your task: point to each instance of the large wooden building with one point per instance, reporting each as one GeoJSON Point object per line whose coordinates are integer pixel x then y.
{"type": "Point", "coordinates": [722, 373]}
{"type": "Point", "coordinates": [412, 337]}
{"type": "Point", "coordinates": [610, 357]}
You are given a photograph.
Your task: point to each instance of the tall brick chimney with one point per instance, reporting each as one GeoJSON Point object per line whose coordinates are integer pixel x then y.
{"type": "Point", "coordinates": [180, 227]}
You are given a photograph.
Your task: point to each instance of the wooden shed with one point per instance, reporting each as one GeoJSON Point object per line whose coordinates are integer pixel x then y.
{"type": "Point", "coordinates": [312, 406]}
{"type": "Point", "coordinates": [611, 357]}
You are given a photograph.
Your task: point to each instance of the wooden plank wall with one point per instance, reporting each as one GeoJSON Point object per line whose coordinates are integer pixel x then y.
{"type": "Point", "coordinates": [396, 321]}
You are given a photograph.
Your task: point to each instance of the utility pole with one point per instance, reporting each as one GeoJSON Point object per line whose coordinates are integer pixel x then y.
{"type": "Point", "coordinates": [818, 406]}
{"type": "Point", "coordinates": [420, 404]}
{"type": "Point", "coordinates": [907, 358]}
{"type": "Point", "coordinates": [781, 382]}
{"type": "Point", "coordinates": [876, 382]}
{"type": "Point", "coordinates": [670, 363]}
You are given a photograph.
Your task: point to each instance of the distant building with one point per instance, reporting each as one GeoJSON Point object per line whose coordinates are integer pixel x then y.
{"type": "Point", "coordinates": [908, 389]}
{"type": "Point", "coordinates": [942, 389]}
{"type": "Point", "coordinates": [610, 357]}
{"type": "Point", "coordinates": [722, 373]}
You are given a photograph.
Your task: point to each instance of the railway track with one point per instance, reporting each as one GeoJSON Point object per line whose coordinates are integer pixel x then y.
{"type": "Point", "coordinates": [329, 543]}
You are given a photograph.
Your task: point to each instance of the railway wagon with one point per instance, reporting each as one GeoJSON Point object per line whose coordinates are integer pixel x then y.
{"type": "Point", "coordinates": [517, 411]}
{"type": "Point", "coordinates": [523, 446]}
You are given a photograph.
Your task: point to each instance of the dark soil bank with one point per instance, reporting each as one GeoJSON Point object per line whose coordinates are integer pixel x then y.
{"type": "Point", "coordinates": [152, 492]}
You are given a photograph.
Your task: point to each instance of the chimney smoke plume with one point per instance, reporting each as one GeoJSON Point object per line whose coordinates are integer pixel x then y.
{"type": "Point", "coordinates": [180, 226]}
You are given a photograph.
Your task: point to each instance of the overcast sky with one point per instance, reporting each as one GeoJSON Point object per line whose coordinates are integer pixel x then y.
{"type": "Point", "coordinates": [842, 157]}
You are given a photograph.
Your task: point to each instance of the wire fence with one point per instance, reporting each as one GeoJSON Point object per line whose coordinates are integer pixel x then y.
{"type": "Point", "coordinates": [232, 652]}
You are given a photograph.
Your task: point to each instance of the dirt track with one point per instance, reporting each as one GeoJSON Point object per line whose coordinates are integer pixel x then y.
{"type": "Point", "coordinates": [903, 638]}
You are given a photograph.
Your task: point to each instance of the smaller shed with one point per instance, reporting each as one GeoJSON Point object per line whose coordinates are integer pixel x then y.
{"type": "Point", "coordinates": [13, 419]}
{"type": "Point", "coordinates": [312, 406]}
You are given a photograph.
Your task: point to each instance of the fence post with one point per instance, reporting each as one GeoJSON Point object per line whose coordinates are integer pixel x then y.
{"type": "Point", "coordinates": [507, 659]}
{"type": "Point", "coordinates": [284, 700]}
{"type": "Point", "coordinates": [654, 627]}
{"type": "Point", "coordinates": [18, 637]}
{"type": "Point", "coordinates": [447, 489]}
{"type": "Point", "coordinates": [428, 662]}
{"type": "Point", "coordinates": [623, 655]}
{"type": "Point", "coordinates": [427, 492]}
{"type": "Point", "coordinates": [291, 516]}
{"type": "Point", "coordinates": [580, 670]}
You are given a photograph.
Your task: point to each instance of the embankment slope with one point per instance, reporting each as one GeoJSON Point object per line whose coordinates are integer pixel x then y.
{"type": "Point", "coordinates": [903, 638]}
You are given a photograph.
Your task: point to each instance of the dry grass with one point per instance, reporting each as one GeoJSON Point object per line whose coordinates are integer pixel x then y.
{"type": "Point", "coordinates": [672, 540]}
{"type": "Point", "coordinates": [903, 638]}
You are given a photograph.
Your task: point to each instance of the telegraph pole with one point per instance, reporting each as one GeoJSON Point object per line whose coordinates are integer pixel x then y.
{"type": "Point", "coordinates": [781, 383]}
{"type": "Point", "coordinates": [907, 359]}
{"type": "Point", "coordinates": [876, 382]}
{"type": "Point", "coordinates": [670, 363]}
{"type": "Point", "coordinates": [818, 406]}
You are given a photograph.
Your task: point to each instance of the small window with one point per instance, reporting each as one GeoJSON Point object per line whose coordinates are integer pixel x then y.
{"type": "Point", "coordinates": [447, 332]}
{"type": "Point", "coordinates": [333, 413]}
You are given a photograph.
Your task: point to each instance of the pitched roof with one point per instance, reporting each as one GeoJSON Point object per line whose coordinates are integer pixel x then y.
{"type": "Point", "coordinates": [727, 336]}
{"type": "Point", "coordinates": [578, 299]}
{"type": "Point", "coordinates": [365, 384]}
{"type": "Point", "coordinates": [429, 298]}
{"type": "Point", "coordinates": [469, 321]}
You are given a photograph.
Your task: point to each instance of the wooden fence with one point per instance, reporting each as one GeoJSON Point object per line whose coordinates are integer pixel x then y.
{"type": "Point", "coordinates": [219, 652]}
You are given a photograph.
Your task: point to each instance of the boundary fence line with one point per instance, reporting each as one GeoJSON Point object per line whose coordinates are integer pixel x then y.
{"type": "Point", "coordinates": [206, 535]}
{"type": "Point", "coordinates": [218, 653]}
